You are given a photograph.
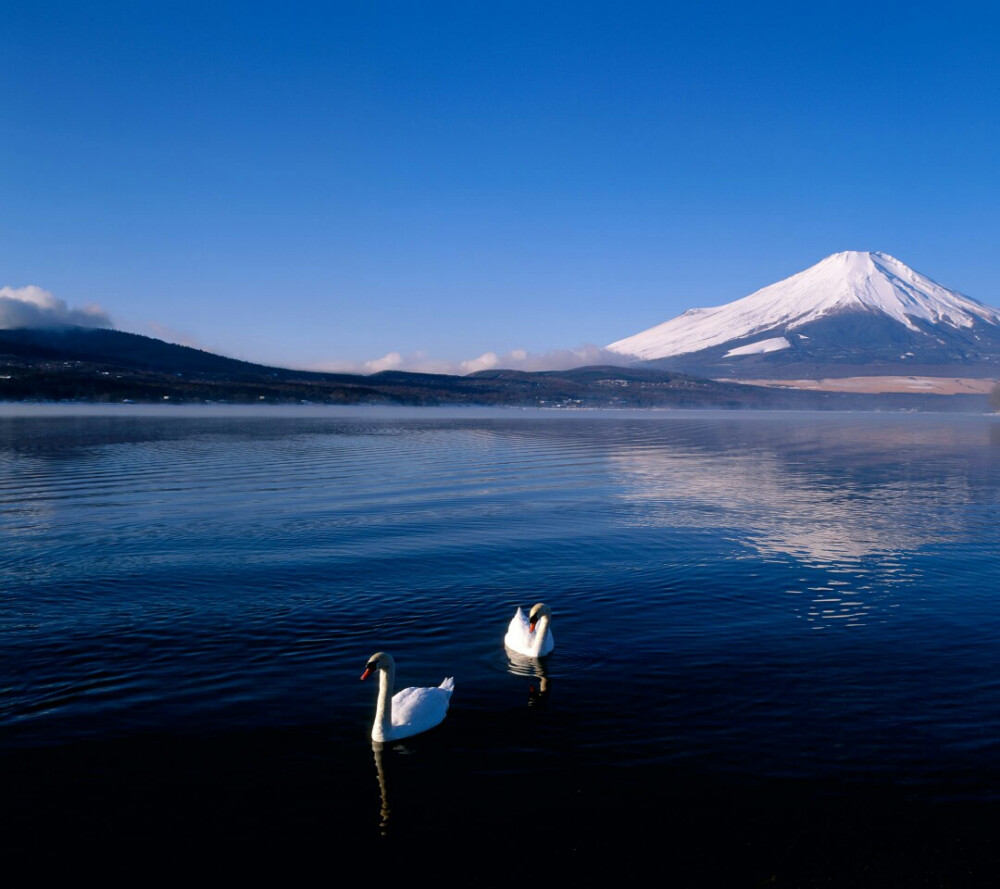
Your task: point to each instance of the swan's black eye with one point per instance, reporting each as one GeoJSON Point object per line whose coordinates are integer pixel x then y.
{"type": "Point", "coordinates": [371, 665]}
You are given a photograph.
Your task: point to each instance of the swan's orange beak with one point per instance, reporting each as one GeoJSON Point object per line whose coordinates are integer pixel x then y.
{"type": "Point", "coordinates": [367, 673]}
{"type": "Point", "coordinates": [531, 626]}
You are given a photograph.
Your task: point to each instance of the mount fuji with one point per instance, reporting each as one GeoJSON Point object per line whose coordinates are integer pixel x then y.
{"type": "Point", "coordinates": [852, 313]}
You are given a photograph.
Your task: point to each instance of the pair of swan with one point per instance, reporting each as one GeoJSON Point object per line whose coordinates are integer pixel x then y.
{"type": "Point", "coordinates": [415, 709]}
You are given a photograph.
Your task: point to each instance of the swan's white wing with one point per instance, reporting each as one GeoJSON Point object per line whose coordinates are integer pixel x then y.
{"type": "Point", "coordinates": [418, 709]}
{"type": "Point", "coordinates": [518, 638]}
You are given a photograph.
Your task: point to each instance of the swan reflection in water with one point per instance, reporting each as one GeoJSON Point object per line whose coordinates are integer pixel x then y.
{"type": "Point", "coordinates": [383, 824]}
{"type": "Point", "coordinates": [533, 668]}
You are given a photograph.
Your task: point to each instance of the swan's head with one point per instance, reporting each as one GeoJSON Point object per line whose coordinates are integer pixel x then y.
{"type": "Point", "coordinates": [538, 611]}
{"type": "Point", "coordinates": [378, 661]}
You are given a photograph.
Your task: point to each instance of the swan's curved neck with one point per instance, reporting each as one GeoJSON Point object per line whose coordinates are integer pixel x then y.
{"type": "Point", "coordinates": [541, 628]}
{"type": "Point", "coordinates": [383, 709]}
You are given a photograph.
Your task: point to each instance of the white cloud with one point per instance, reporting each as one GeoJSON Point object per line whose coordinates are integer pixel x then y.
{"type": "Point", "coordinates": [486, 361]}
{"type": "Point", "coordinates": [516, 359]}
{"type": "Point", "coordinates": [392, 361]}
{"type": "Point", "coordinates": [32, 306]}
{"type": "Point", "coordinates": [560, 359]}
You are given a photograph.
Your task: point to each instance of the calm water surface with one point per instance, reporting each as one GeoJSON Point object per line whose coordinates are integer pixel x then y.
{"type": "Point", "coordinates": [776, 636]}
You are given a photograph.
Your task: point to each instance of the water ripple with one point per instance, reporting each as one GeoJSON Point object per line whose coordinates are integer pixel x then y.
{"type": "Point", "coordinates": [795, 596]}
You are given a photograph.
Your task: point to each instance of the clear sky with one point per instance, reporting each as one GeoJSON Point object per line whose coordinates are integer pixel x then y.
{"type": "Point", "coordinates": [326, 185]}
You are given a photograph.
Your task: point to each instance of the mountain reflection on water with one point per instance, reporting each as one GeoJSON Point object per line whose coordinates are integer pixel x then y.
{"type": "Point", "coordinates": [839, 493]}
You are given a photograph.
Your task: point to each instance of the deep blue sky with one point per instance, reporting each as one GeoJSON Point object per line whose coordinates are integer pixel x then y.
{"type": "Point", "coordinates": [324, 184]}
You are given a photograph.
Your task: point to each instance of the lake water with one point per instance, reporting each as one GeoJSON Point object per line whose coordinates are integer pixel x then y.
{"type": "Point", "coordinates": [777, 655]}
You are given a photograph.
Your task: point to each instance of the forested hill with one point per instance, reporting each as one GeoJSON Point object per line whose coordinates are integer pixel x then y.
{"type": "Point", "coordinates": [96, 365]}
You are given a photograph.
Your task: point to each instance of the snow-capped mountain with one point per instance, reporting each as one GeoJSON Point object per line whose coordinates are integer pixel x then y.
{"type": "Point", "coordinates": [851, 309]}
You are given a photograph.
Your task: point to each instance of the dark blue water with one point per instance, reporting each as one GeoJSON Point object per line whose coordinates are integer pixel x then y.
{"type": "Point", "coordinates": [777, 657]}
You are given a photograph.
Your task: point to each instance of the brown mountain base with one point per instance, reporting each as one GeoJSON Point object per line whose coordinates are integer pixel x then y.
{"type": "Point", "coordinates": [874, 385]}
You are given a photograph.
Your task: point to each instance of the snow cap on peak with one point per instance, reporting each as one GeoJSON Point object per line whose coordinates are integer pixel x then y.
{"type": "Point", "coordinates": [856, 259]}
{"type": "Point", "coordinates": [852, 280]}
{"type": "Point", "coordinates": [851, 254]}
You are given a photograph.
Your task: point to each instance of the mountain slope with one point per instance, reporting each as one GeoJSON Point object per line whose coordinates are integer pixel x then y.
{"type": "Point", "coordinates": [852, 309]}
{"type": "Point", "coordinates": [132, 351]}
{"type": "Point", "coordinates": [85, 365]}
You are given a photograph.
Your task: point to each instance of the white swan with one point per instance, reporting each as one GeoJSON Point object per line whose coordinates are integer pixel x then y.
{"type": "Point", "coordinates": [408, 711]}
{"type": "Point", "coordinates": [531, 635]}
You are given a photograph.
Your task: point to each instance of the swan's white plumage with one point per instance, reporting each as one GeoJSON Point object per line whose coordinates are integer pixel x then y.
{"type": "Point", "coordinates": [522, 639]}
{"type": "Point", "coordinates": [410, 710]}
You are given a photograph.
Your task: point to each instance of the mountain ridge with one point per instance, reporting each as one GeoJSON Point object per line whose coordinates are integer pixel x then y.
{"type": "Point", "coordinates": [852, 308]}
{"type": "Point", "coordinates": [106, 366]}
